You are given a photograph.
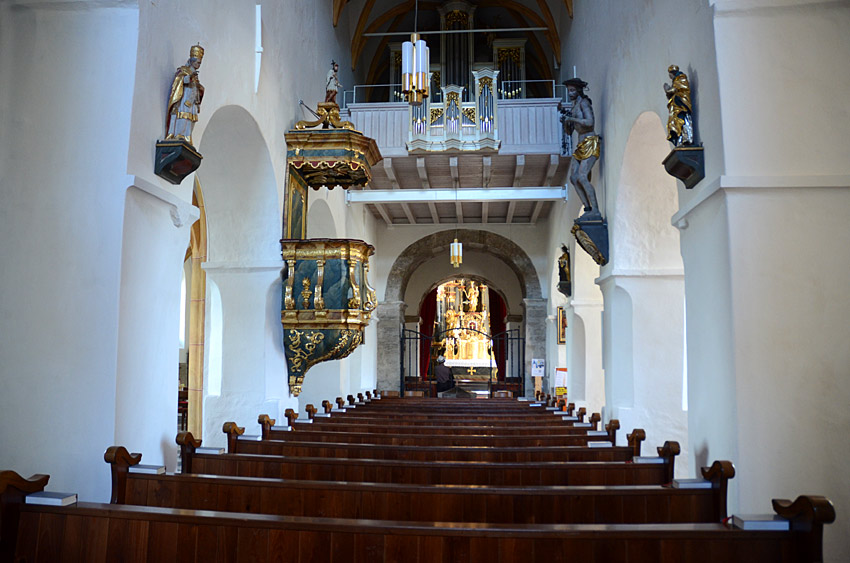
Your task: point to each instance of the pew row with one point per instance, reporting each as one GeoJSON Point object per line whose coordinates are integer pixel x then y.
{"type": "Point", "coordinates": [654, 471]}
{"type": "Point", "coordinates": [96, 532]}
{"type": "Point", "coordinates": [487, 454]}
{"type": "Point", "coordinates": [393, 501]}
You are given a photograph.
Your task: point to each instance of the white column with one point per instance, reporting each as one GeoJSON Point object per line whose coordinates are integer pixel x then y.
{"type": "Point", "coordinates": [643, 335]}
{"type": "Point", "coordinates": [253, 375]}
{"type": "Point", "coordinates": [585, 375]}
{"type": "Point", "coordinates": [156, 235]}
{"type": "Point", "coordinates": [64, 129]}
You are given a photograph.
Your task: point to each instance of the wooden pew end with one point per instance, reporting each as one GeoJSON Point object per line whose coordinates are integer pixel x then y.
{"type": "Point", "coordinates": [233, 432]}
{"type": "Point", "coordinates": [188, 444]}
{"type": "Point", "coordinates": [120, 460]}
{"type": "Point", "coordinates": [266, 424]}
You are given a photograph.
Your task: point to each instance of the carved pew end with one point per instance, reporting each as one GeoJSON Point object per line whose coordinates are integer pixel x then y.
{"type": "Point", "coordinates": [233, 432]}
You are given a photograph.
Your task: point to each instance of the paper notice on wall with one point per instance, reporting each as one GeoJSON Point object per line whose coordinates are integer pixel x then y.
{"type": "Point", "coordinates": [560, 382]}
{"type": "Point", "coordinates": [538, 366]}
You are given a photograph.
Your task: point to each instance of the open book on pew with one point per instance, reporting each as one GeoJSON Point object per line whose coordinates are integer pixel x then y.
{"type": "Point", "coordinates": [698, 483]}
{"type": "Point", "coordinates": [51, 498]}
{"type": "Point", "coordinates": [147, 469]}
{"type": "Point", "coordinates": [762, 522]}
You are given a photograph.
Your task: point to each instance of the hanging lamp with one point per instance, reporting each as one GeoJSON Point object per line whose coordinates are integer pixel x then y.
{"type": "Point", "coordinates": [415, 65]}
{"type": "Point", "coordinates": [457, 253]}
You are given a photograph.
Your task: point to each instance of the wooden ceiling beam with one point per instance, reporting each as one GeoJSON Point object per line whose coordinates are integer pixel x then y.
{"type": "Point", "coordinates": [358, 32]}
{"type": "Point", "coordinates": [337, 10]}
{"type": "Point", "coordinates": [358, 41]}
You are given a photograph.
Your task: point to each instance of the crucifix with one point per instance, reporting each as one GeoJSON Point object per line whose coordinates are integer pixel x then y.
{"type": "Point", "coordinates": [470, 371]}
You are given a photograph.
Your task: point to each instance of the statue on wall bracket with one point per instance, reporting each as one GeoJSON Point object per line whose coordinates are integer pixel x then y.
{"type": "Point", "coordinates": [590, 229]}
{"type": "Point", "coordinates": [326, 300]}
{"type": "Point", "coordinates": [565, 285]}
{"type": "Point", "coordinates": [686, 161]}
{"type": "Point", "coordinates": [176, 155]}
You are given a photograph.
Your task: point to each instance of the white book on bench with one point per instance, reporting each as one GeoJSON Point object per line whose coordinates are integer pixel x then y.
{"type": "Point", "coordinates": [596, 432]}
{"type": "Point", "coordinates": [767, 522]}
{"type": "Point", "coordinates": [569, 418]}
{"type": "Point", "coordinates": [305, 421]}
{"type": "Point", "coordinates": [282, 428]}
{"type": "Point", "coordinates": [251, 438]}
{"type": "Point", "coordinates": [647, 459]}
{"type": "Point", "coordinates": [322, 415]}
{"type": "Point", "coordinates": [584, 425]}
{"type": "Point", "coordinates": [51, 498]}
{"type": "Point", "coordinates": [147, 469]}
{"type": "Point", "coordinates": [698, 483]}
{"type": "Point", "coordinates": [599, 444]}
{"type": "Point", "coordinates": [211, 451]}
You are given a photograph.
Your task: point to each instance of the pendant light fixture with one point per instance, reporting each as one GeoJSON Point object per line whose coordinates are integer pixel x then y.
{"type": "Point", "coordinates": [415, 65]}
{"type": "Point", "coordinates": [456, 247]}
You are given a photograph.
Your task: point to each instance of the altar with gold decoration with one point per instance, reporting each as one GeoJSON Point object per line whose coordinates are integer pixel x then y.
{"type": "Point", "coordinates": [462, 326]}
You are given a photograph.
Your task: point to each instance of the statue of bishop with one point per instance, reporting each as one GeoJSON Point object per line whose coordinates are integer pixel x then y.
{"type": "Point", "coordinates": [184, 101]}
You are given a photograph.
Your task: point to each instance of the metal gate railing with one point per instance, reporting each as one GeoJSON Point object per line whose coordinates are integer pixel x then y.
{"type": "Point", "coordinates": [510, 343]}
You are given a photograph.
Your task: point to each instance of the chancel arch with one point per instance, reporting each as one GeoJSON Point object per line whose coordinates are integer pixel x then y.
{"type": "Point", "coordinates": [643, 292]}
{"type": "Point", "coordinates": [511, 269]}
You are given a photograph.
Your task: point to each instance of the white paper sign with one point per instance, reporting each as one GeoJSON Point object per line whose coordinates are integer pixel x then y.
{"type": "Point", "coordinates": [537, 367]}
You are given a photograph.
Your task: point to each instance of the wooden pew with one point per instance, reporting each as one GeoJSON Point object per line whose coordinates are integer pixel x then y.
{"type": "Point", "coordinates": [430, 473]}
{"type": "Point", "coordinates": [94, 532]}
{"type": "Point", "coordinates": [425, 453]}
{"type": "Point", "coordinates": [398, 501]}
{"type": "Point", "coordinates": [301, 432]}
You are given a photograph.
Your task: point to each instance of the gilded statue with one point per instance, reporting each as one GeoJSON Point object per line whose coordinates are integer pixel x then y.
{"type": "Point", "coordinates": [680, 126]}
{"type": "Point", "coordinates": [184, 101]}
{"type": "Point", "coordinates": [472, 296]}
{"type": "Point", "coordinates": [579, 117]}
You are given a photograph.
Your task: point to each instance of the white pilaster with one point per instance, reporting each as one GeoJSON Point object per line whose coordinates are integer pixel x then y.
{"type": "Point", "coordinates": [254, 378]}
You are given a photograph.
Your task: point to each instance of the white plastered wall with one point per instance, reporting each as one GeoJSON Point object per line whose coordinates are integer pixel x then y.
{"type": "Point", "coordinates": [624, 59]}
{"type": "Point", "coordinates": [243, 175]}
{"type": "Point", "coordinates": [643, 288]}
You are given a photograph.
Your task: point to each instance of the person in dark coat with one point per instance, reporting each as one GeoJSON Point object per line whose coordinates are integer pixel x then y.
{"type": "Point", "coordinates": [443, 373]}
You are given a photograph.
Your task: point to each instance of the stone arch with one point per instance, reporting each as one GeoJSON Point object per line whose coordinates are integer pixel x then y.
{"type": "Point", "coordinates": [642, 235]}
{"type": "Point", "coordinates": [487, 242]}
{"type": "Point", "coordinates": [390, 311]}
{"type": "Point", "coordinates": [320, 220]}
{"type": "Point", "coordinates": [239, 187]}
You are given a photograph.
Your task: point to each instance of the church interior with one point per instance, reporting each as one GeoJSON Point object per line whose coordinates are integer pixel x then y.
{"type": "Point", "coordinates": [514, 192]}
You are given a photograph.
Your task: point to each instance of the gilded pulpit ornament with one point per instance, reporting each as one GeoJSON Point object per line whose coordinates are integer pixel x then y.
{"type": "Point", "coordinates": [176, 156]}
{"type": "Point", "coordinates": [686, 160]}
{"type": "Point", "coordinates": [326, 299]}
{"type": "Point", "coordinates": [590, 229]}
{"type": "Point", "coordinates": [327, 113]}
